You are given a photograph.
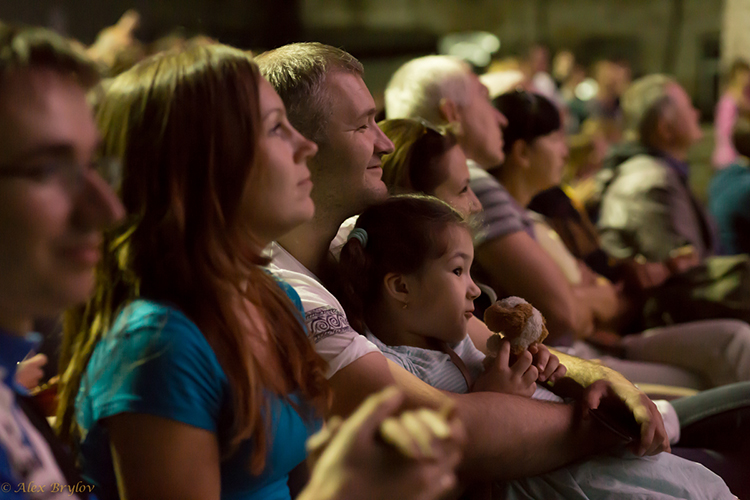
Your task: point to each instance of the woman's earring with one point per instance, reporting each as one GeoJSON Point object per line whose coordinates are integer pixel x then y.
{"type": "Point", "coordinates": [405, 305]}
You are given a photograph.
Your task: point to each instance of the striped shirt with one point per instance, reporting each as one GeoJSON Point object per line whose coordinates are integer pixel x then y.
{"type": "Point", "coordinates": [501, 215]}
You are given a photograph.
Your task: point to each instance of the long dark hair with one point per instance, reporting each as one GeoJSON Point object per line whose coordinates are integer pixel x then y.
{"type": "Point", "coordinates": [186, 125]}
{"type": "Point", "coordinates": [403, 234]}
{"type": "Point", "coordinates": [529, 115]}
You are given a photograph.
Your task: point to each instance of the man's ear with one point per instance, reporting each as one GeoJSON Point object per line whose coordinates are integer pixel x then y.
{"type": "Point", "coordinates": [449, 110]}
{"type": "Point", "coordinates": [397, 287]}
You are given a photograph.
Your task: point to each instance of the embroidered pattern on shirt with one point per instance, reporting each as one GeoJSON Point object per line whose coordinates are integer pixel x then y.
{"type": "Point", "coordinates": [324, 322]}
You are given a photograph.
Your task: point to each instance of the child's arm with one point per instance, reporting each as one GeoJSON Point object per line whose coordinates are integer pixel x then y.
{"type": "Point", "coordinates": [500, 376]}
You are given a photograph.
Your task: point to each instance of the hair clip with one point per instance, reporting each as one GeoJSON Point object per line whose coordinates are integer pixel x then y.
{"type": "Point", "coordinates": [360, 234]}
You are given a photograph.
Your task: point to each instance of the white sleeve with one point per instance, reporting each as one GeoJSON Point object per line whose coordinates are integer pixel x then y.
{"type": "Point", "coordinates": [335, 340]}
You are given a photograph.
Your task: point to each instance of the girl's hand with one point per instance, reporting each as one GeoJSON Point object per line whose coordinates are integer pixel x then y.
{"type": "Point", "coordinates": [549, 366]}
{"type": "Point", "coordinates": [500, 376]}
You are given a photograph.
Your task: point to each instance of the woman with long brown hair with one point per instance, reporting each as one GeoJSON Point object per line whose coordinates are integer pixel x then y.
{"type": "Point", "coordinates": [190, 352]}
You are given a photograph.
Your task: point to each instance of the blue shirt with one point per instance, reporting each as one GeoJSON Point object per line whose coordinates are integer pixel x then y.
{"type": "Point", "coordinates": [156, 361]}
{"type": "Point", "coordinates": [729, 204]}
{"type": "Point", "coordinates": [27, 463]}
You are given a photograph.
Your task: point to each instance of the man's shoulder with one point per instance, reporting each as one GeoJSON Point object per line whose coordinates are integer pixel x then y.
{"type": "Point", "coordinates": [326, 321]}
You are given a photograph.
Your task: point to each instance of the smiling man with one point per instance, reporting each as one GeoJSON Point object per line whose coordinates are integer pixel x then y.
{"type": "Point", "coordinates": [328, 102]}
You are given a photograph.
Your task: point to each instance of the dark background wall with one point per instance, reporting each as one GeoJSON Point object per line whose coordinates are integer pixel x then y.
{"type": "Point", "coordinates": [675, 36]}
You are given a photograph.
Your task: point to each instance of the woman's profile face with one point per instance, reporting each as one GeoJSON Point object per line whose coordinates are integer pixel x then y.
{"type": "Point", "coordinates": [547, 156]}
{"type": "Point", "coordinates": [278, 191]}
{"type": "Point", "coordinates": [455, 189]}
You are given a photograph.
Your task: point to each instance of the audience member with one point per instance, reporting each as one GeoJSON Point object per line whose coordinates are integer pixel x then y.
{"type": "Point", "coordinates": [649, 215]}
{"type": "Point", "coordinates": [191, 360]}
{"type": "Point", "coordinates": [734, 102]}
{"type": "Point", "coordinates": [575, 107]}
{"type": "Point", "coordinates": [116, 47]}
{"type": "Point", "coordinates": [53, 209]}
{"type": "Point", "coordinates": [612, 79]}
{"type": "Point", "coordinates": [430, 161]}
{"type": "Point", "coordinates": [346, 174]}
{"type": "Point", "coordinates": [563, 66]}
{"type": "Point", "coordinates": [729, 195]}
{"type": "Point", "coordinates": [647, 208]}
{"type": "Point", "coordinates": [537, 68]}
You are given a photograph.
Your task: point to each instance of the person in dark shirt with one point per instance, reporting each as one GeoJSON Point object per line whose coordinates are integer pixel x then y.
{"type": "Point", "coordinates": [729, 196]}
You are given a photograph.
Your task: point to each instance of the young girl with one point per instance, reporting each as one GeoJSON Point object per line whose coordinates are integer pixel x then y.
{"type": "Point", "coordinates": [406, 285]}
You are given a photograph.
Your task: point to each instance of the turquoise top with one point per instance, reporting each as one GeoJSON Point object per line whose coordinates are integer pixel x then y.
{"type": "Point", "coordinates": [155, 361]}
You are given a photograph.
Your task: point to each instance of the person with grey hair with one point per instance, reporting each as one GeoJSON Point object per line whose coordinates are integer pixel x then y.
{"type": "Point", "coordinates": [647, 208]}
{"type": "Point", "coordinates": [504, 433]}
{"type": "Point", "coordinates": [443, 89]}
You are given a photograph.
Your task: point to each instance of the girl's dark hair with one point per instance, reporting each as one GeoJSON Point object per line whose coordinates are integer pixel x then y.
{"type": "Point", "coordinates": [417, 149]}
{"type": "Point", "coordinates": [403, 233]}
{"type": "Point", "coordinates": [529, 116]}
{"type": "Point", "coordinates": [186, 126]}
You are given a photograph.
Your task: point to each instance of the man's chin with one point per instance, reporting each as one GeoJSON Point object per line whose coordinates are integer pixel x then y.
{"type": "Point", "coordinates": [380, 194]}
{"type": "Point", "coordinates": [372, 196]}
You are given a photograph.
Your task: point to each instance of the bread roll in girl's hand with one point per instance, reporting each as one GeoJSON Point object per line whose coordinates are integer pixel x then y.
{"type": "Point", "coordinates": [518, 321]}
